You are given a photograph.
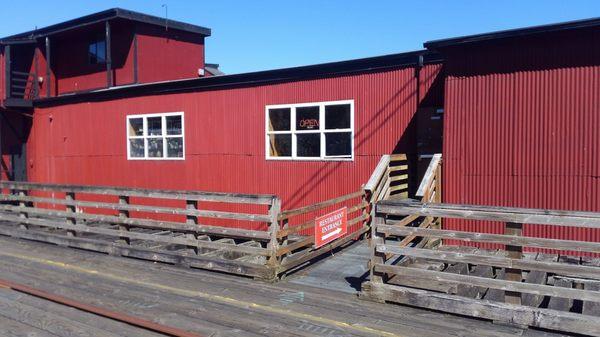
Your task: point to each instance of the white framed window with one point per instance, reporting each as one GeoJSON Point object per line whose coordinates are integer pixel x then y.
{"type": "Point", "coordinates": [310, 131]}
{"type": "Point", "coordinates": [155, 136]}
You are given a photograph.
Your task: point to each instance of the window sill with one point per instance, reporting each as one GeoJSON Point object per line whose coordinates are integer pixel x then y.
{"type": "Point", "coordinates": [309, 159]}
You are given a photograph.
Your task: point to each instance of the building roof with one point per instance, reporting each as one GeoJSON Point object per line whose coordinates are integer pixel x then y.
{"type": "Point", "coordinates": [503, 34]}
{"type": "Point", "coordinates": [370, 64]}
{"type": "Point", "coordinates": [113, 13]}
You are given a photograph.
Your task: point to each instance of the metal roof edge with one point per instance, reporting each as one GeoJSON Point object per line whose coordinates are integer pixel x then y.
{"type": "Point", "coordinates": [377, 63]}
{"type": "Point", "coordinates": [109, 14]}
{"type": "Point", "coordinates": [510, 33]}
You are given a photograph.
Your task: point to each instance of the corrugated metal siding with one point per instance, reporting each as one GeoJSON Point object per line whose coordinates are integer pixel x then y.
{"type": "Point", "coordinates": [85, 143]}
{"type": "Point", "coordinates": [168, 55]}
{"type": "Point", "coordinates": [522, 129]}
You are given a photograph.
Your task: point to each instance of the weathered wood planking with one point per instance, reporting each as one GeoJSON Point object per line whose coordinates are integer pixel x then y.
{"type": "Point", "coordinates": [501, 214]}
{"type": "Point", "coordinates": [554, 267]}
{"type": "Point", "coordinates": [139, 208]}
{"type": "Point", "coordinates": [144, 223]}
{"type": "Point", "coordinates": [571, 245]}
{"type": "Point", "coordinates": [514, 314]}
{"type": "Point", "coordinates": [146, 193]}
{"type": "Point", "coordinates": [197, 261]}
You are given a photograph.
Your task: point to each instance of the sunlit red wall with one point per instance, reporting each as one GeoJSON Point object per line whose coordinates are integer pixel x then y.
{"type": "Point", "coordinates": [522, 120]}
{"type": "Point", "coordinates": [85, 143]}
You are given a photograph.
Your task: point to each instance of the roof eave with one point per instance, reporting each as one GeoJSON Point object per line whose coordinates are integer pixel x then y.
{"type": "Point", "coordinates": [512, 33]}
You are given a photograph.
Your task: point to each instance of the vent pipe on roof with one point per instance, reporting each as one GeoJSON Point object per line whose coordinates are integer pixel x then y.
{"type": "Point", "coordinates": [166, 16]}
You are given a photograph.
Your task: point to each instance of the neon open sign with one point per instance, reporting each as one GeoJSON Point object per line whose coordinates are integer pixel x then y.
{"type": "Point", "coordinates": [309, 123]}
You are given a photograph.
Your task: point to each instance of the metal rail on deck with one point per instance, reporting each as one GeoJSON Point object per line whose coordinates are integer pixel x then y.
{"type": "Point", "coordinates": [114, 315]}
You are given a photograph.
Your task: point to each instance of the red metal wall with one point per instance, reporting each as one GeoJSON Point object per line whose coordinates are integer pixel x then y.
{"type": "Point", "coordinates": [162, 55]}
{"type": "Point", "coordinates": [168, 54]}
{"type": "Point", "coordinates": [85, 143]}
{"type": "Point", "coordinates": [522, 122]}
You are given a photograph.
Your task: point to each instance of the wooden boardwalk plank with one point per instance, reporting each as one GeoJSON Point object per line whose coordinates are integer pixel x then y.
{"type": "Point", "coordinates": [320, 303]}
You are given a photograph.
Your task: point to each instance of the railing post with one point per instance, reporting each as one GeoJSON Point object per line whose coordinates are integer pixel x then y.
{"type": "Point", "coordinates": [192, 205]}
{"type": "Point", "coordinates": [273, 245]}
{"type": "Point", "coordinates": [124, 200]}
{"type": "Point", "coordinates": [70, 197]}
{"type": "Point", "coordinates": [514, 252]}
{"type": "Point", "coordinates": [438, 190]}
{"type": "Point", "coordinates": [377, 257]}
{"type": "Point", "coordinates": [23, 203]}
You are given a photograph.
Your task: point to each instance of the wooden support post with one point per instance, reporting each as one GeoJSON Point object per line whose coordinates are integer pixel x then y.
{"type": "Point", "coordinates": [273, 245]}
{"type": "Point", "coordinates": [23, 204]}
{"type": "Point", "coordinates": [7, 71]}
{"type": "Point", "coordinates": [70, 196]}
{"type": "Point", "coordinates": [514, 252]}
{"type": "Point", "coordinates": [192, 220]}
{"type": "Point", "coordinates": [438, 190]}
{"type": "Point", "coordinates": [124, 200]}
{"type": "Point", "coordinates": [48, 69]}
{"type": "Point", "coordinates": [109, 75]}
{"type": "Point", "coordinates": [377, 257]}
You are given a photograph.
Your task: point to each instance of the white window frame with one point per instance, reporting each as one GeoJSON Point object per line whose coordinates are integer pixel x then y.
{"type": "Point", "coordinates": [163, 135]}
{"type": "Point", "coordinates": [322, 131]}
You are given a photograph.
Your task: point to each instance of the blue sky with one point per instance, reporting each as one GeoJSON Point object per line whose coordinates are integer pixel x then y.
{"type": "Point", "coordinates": [258, 35]}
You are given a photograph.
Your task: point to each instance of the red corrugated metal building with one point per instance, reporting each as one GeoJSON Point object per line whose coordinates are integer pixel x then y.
{"type": "Point", "coordinates": [520, 110]}
{"type": "Point", "coordinates": [522, 122]}
{"type": "Point", "coordinates": [86, 131]}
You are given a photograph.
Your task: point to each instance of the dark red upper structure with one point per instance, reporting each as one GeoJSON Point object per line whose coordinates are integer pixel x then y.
{"type": "Point", "coordinates": [111, 48]}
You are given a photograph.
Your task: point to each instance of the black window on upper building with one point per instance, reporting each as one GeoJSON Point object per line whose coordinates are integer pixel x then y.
{"type": "Point", "coordinates": [97, 51]}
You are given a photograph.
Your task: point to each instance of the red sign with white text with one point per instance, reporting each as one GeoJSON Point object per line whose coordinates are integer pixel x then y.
{"type": "Point", "coordinates": [331, 226]}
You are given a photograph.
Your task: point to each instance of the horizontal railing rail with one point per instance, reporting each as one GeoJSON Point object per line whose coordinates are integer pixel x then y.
{"type": "Point", "coordinates": [142, 192]}
{"type": "Point", "coordinates": [528, 280]}
{"type": "Point", "coordinates": [228, 232]}
{"type": "Point", "coordinates": [295, 236]}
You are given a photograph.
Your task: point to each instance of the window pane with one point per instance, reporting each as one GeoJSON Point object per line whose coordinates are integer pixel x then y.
{"type": "Point", "coordinates": [280, 145]}
{"type": "Point", "coordinates": [309, 144]}
{"type": "Point", "coordinates": [101, 51]}
{"type": "Point", "coordinates": [154, 126]}
{"type": "Point", "coordinates": [279, 119]}
{"type": "Point", "coordinates": [307, 118]}
{"type": "Point", "coordinates": [136, 127]}
{"type": "Point", "coordinates": [338, 144]}
{"type": "Point", "coordinates": [136, 148]}
{"type": "Point", "coordinates": [173, 125]}
{"type": "Point", "coordinates": [155, 147]}
{"type": "Point", "coordinates": [175, 147]}
{"type": "Point", "coordinates": [92, 53]}
{"type": "Point", "coordinates": [337, 116]}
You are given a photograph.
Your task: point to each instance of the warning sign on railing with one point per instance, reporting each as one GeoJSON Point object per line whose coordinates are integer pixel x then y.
{"type": "Point", "coordinates": [331, 226]}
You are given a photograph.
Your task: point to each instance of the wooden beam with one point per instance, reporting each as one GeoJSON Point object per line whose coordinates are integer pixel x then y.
{"type": "Point", "coordinates": [553, 267]}
{"type": "Point", "coordinates": [48, 69]}
{"type": "Point", "coordinates": [109, 75]}
{"type": "Point", "coordinates": [489, 213]}
{"type": "Point", "coordinates": [572, 245]}
{"type": "Point", "coordinates": [514, 252]}
{"type": "Point", "coordinates": [7, 71]}
{"type": "Point", "coordinates": [135, 55]}
{"type": "Point", "coordinates": [515, 314]}
{"type": "Point", "coordinates": [260, 199]}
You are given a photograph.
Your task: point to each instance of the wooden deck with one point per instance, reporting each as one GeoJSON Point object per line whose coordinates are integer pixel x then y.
{"type": "Point", "coordinates": [208, 303]}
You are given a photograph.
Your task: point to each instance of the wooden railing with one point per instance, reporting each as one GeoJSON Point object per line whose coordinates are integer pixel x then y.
{"type": "Point", "coordinates": [296, 237]}
{"type": "Point", "coordinates": [201, 229]}
{"type": "Point", "coordinates": [389, 179]}
{"type": "Point", "coordinates": [430, 189]}
{"type": "Point", "coordinates": [553, 291]}
{"type": "Point", "coordinates": [22, 85]}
